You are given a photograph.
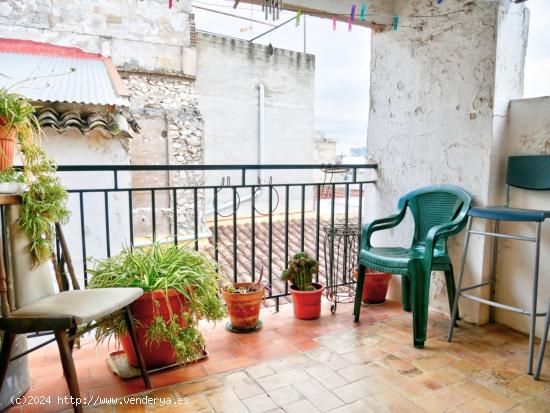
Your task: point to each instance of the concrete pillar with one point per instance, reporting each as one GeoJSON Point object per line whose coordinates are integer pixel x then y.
{"type": "Point", "coordinates": [440, 89]}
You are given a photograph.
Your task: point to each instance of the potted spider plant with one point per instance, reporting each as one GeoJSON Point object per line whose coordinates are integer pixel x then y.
{"type": "Point", "coordinates": [306, 294]}
{"type": "Point", "coordinates": [181, 287]}
{"type": "Point", "coordinates": [17, 125]}
{"type": "Point", "coordinates": [243, 301]}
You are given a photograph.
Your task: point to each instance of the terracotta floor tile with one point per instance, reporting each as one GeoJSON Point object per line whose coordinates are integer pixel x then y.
{"type": "Point", "coordinates": [307, 345]}
{"type": "Point", "coordinates": [468, 374]}
{"type": "Point", "coordinates": [179, 375]}
{"type": "Point", "coordinates": [116, 390]}
{"type": "Point", "coordinates": [257, 337]}
{"type": "Point", "coordinates": [218, 356]}
{"type": "Point", "coordinates": [225, 343]}
{"type": "Point", "coordinates": [270, 354]}
{"type": "Point", "coordinates": [291, 339]}
{"type": "Point", "coordinates": [230, 364]}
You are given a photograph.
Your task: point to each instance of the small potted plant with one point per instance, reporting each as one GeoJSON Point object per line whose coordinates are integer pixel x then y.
{"type": "Point", "coordinates": [375, 287]}
{"type": "Point", "coordinates": [243, 301]}
{"type": "Point", "coordinates": [306, 294]}
{"type": "Point", "coordinates": [181, 287]}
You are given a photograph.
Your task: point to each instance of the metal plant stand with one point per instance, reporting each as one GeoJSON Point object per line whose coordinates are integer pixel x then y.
{"type": "Point", "coordinates": [341, 247]}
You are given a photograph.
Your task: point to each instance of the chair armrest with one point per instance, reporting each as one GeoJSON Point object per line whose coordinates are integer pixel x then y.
{"type": "Point", "coordinates": [380, 224]}
{"type": "Point", "coordinates": [448, 229]}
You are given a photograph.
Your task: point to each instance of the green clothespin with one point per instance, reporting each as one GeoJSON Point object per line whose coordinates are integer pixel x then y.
{"type": "Point", "coordinates": [363, 14]}
{"type": "Point", "coordinates": [298, 15]}
{"type": "Point", "coordinates": [395, 22]}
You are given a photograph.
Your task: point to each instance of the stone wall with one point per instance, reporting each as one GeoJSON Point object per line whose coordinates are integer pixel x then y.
{"type": "Point", "coordinates": [166, 109]}
{"type": "Point", "coordinates": [144, 35]}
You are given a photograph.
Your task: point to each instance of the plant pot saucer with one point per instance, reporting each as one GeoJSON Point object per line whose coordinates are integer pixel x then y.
{"type": "Point", "coordinates": [118, 363]}
{"type": "Point", "coordinates": [258, 327]}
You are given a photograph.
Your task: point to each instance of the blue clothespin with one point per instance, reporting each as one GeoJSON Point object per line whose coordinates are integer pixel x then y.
{"type": "Point", "coordinates": [363, 14]}
{"type": "Point", "coordinates": [395, 22]}
{"type": "Point", "coordinates": [439, 1]}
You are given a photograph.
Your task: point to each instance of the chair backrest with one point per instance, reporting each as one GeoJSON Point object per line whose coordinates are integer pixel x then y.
{"type": "Point", "coordinates": [529, 172]}
{"type": "Point", "coordinates": [29, 282]}
{"type": "Point", "coordinates": [435, 205]}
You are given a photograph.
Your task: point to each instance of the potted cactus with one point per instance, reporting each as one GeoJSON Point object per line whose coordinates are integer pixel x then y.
{"type": "Point", "coordinates": [306, 294]}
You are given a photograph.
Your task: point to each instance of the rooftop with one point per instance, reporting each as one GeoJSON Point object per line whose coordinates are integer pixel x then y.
{"type": "Point", "coordinates": [49, 73]}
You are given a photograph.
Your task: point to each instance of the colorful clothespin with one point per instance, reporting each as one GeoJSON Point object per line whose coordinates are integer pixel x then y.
{"type": "Point", "coordinates": [298, 15]}
{"type": "Point", "coordinates": [333, 23]}
{"type": "Point", "coordinates": [363, 14]}
{"type": "Point", "coordinates": [395, 22]}
{"type": "Point", "coordinates": [169, 4]}
{"type": "Point", "coordinates": [439, 1]}
{"type": "Point", "coordinates": [351, 17]}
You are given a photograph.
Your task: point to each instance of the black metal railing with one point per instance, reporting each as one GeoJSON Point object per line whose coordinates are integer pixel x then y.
{"type": "Point", "coordinates": [247, 224]}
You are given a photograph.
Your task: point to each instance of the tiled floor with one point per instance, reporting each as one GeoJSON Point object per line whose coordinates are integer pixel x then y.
{"type": "Point", "coordinates": [329, 364]}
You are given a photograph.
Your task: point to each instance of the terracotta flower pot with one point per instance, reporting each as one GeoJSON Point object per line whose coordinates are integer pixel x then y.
{"type": "Point", "coordinates": [307, 304]}
{"type": "Point", "coordinates": [7, 145]}
{"type": "Point", "coordinates": [142, 309]}
{"type": "Point", "coordinates": [375, 286]}
{"type": "Point", "coordinates": [244, 308]}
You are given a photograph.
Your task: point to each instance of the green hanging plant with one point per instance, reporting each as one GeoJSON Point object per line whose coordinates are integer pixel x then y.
{"type": "Point", "coordinates": [43, 204]}
{"type": "Point", "coordinates": [44, 201]}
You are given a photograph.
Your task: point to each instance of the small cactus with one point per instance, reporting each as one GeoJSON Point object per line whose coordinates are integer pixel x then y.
{"type": "Point", "coordinates": [300, 271]}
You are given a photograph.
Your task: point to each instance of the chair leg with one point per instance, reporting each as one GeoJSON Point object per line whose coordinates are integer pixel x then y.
{"type": "Point", "coordinates": [454, 313]}
{"type": "Point", "coordinates": [451, 290]}
{"type": "Point", "coordinates": [7, 345]}
{"type": "Point", "coordinates": [534, 303]}
{"type": "Point", "coordinates": [406, 292]}
{"type": "Point", "coordinates": [133, 337]}
{"type": "Point", "coordinates": [359, 292]}
{"type": "Point", "coordinates": [420, 283]}
{"type": "Point", "coordinates": [543, 340]}
{"type": "Point", "coordinates": [72, 337]}
{"type": "Point", "coordinates": [494, 273]}
{"type": "Point", "coordinates": [68, 368]}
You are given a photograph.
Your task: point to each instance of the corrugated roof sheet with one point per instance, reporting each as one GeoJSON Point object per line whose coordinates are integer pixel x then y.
{"type": "Point", "coordinates": [59, 79]}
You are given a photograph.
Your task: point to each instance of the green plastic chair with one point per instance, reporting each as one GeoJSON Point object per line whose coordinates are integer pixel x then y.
{"type": "Point", "coordinates": [439, 211]}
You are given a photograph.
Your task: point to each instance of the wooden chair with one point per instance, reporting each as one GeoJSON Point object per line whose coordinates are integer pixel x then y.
{"type": "Point", "coordinates": [61, 312]}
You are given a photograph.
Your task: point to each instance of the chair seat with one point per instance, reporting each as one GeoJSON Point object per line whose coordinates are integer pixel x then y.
{"type": "Point", "coordinates": [502, 213]}
{"type": "Point", "coordinates": [397, 257]}
{"type": "Point", "coordinates": [83, 306]}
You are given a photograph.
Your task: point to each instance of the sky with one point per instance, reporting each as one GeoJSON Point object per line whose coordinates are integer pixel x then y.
{"type": "Point", "coordinates": [343, 60]}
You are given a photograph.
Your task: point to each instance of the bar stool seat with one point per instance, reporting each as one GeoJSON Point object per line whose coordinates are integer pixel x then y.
{"type": "Point", "coordinates": [502, 213]}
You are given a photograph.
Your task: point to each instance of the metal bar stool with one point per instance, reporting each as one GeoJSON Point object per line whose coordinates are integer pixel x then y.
{"type": "Point", "coordinates": [543, 340]}
{"type": "Point", "coordinates": [524, 172]}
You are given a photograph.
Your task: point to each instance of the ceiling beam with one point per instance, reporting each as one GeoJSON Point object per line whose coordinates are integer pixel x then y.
{"type": "Point", "coordinates": [341, 9]}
